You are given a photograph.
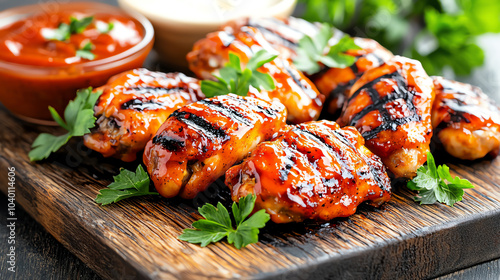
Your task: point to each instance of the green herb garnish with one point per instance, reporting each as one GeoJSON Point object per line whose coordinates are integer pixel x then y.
{"type": "Point", "coordinates": [431, 185]}
{"type": "Point", "coordinates": [60, 34]}
{"type": "Point", "coordinates": [78, 119]}
{"type": "Point", "coordinates": [126, 184]}
{"type": "Point", "coordinates": [75, 26]}
{"type": "Point", "coordinates": [315, 49]}
{"type": "Point", "coordinates": [85, 51]}
{"type": "Point", "coordinates": [235, 80]}
{"type": "Point", "coordinates": [435, 32]}
{"type": "Point", "coordinates": [217, 224]}
{"type": "Point", "coordinates": [105, 28]}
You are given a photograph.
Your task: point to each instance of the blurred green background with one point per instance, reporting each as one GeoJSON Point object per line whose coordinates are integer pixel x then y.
{"type": "Point", "coordinates": [442, 34]}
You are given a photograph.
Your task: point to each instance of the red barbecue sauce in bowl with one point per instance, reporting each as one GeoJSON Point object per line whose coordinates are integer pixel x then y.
{"type": "Point", "coordinates": [41, 68]}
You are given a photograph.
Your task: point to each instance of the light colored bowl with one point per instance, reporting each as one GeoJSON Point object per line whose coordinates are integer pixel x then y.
{"type": "Point", "coordinates": [179, 24]}
{"type": "Point", "coordinates": [27, 90]}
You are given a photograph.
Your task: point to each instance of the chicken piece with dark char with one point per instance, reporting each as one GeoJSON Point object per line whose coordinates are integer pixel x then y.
{"type": "Point", "coordinates": [293, 89]}
{"type": "Point", "coordinates": [283, 34]}
{"type": "Point", "coordinates": [391, 107]}
{"type": "Point", "coordinates": [314, 170]}
{"type": "Point", "coordinates": [200, 141]}
{"type": "Point", "coordinates": [465, 120]}
{"type": "Point", "coordinates": [133, 106]}
{"type": "Point", "coordinates": [335, 83]}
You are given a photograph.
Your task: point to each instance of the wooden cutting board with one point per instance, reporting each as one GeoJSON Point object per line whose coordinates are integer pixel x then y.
{"type": "Point", "coordinates": [136, 238]}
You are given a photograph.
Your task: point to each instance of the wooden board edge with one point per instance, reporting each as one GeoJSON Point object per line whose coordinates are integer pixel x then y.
{"type": "Point", "coordinates": [413, 257]}
{"type": "Point", "coordinates": [410, 258]}
{"type": "Point", "coordinates": [119, 268]}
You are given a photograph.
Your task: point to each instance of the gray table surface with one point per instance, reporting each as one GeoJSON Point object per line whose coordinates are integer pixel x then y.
{"type": "Point", "coordinates": [40, 256]}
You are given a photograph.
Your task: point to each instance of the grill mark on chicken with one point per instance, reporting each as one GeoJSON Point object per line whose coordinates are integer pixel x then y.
{"type": "Point", "coordinates": [268, 111]}
{"type": "Point", "coordinates": [271, 32]}
{"type": "Point", "coordinates": [155, 90]}
{"type": "Point", "coordinates": [141, 104]}
{"type": "Point", "coordinates": [296, 78]}
{"type": "Point", "coordinates": [375, 173]}
{"type": "Point", "coordinates": [168, 143]}
{"type": "Point", "coordinates": [458, 108]}
{"type": "Point", "coordinates": [340, 90]}
{"type": "Point", "coordinates": [289, 162]}
{"type": "Point", "coordinates": [226, 38]}
{"type": "Point", "coordinates": [400, 92]}
{"type": "Point", "coordinates": [199, 124]}
{"type": "Point", "coordinates": [346, 172]}
{"type": "Point", "coordinates": [226, 111]}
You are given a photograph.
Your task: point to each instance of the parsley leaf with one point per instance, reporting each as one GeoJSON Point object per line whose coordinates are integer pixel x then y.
{"type": "Point", "coordinates": [126, 184]}
{"type": "Point", "coordinates": [85, 51]}
{"type": "Point", "coordinates": [77, 26]}
{"type": "Point", "coordinates": [315, 49]}
{"type": "Point", "coordinates": [78, 119]}
{"type": "Point", "coordinates": [217, 224]}
{"type": "Point", "coordinates": [431, 184]}
{"type": "Point", "coordinates": [233, 79]}
{"type": "Point", "coordinates": [64, 31]}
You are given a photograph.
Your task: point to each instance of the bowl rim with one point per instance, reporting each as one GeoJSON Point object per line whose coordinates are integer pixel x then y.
{"type": "Point", "coordinates": [35, 9]}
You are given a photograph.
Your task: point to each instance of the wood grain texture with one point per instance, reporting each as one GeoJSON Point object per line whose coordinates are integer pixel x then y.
{"type": "Point", "coordinates": [38, 254]}
{"type": "Point", "coordinates": [137, 238]}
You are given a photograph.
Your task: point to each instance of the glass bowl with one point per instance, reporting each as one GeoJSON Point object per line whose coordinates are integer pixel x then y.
{"type": "Point", "coordinates": [28, 90]}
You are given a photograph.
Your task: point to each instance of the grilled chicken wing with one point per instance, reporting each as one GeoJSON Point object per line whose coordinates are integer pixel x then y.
{"type": "Point", "coordinates": [466, 121]}
{"type": "Point", "coordinates": [283, 34]}
{"type": "Point", "coordinates": [391, 107]}
{"type": "Point", "coordinates": [315, 170]}
{"type": "Point", "coordinates": [335, 83]}
{"type": "Point", "coordinates": [200, 141]}
{"type": "Point", "coordinates": [299, 95]}
{"type": "Point", "coordinates": [133, 106]}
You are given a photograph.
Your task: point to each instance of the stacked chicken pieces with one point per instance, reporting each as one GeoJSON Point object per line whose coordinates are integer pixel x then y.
{"type": "Point", "coordinates": [299, 168]}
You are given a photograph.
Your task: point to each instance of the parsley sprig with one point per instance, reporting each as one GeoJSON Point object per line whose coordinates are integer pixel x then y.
{"type": "Point", "coordinates": [431, 185]}
{"type": "Point", "coordinates": [126, 184]}
{"type": "Point", "coordinates": [75, 26]}
{"type": "Point", "coordinates": [217, 224]}
{"type": "Point", "coordinates": [233, 79]}
{"type": "Point", "coordinates": [315, 50]}
{"type": "Point", "coordinates": [78, 119]}
{"type": "Point", "coordinates": [85, 51]}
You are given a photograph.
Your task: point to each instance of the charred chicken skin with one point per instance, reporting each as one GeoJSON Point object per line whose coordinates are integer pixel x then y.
{"type": "Point", "coordinates": [283, 34]}
{"type": "Point", "coordinates": [335, 83]}
{"type": "Point", "coordinates": [200, 141]}
{"type": "Point", "coordinates": [314, 170]}
{"type": "Point", "coordinates": [133, 106]}
{"type": "Point", "coordinates": [294, 90]}
{"type": "Point", "coordinates": [466, 121]}
{"type": "Point", "coordinates": [391, 107]}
